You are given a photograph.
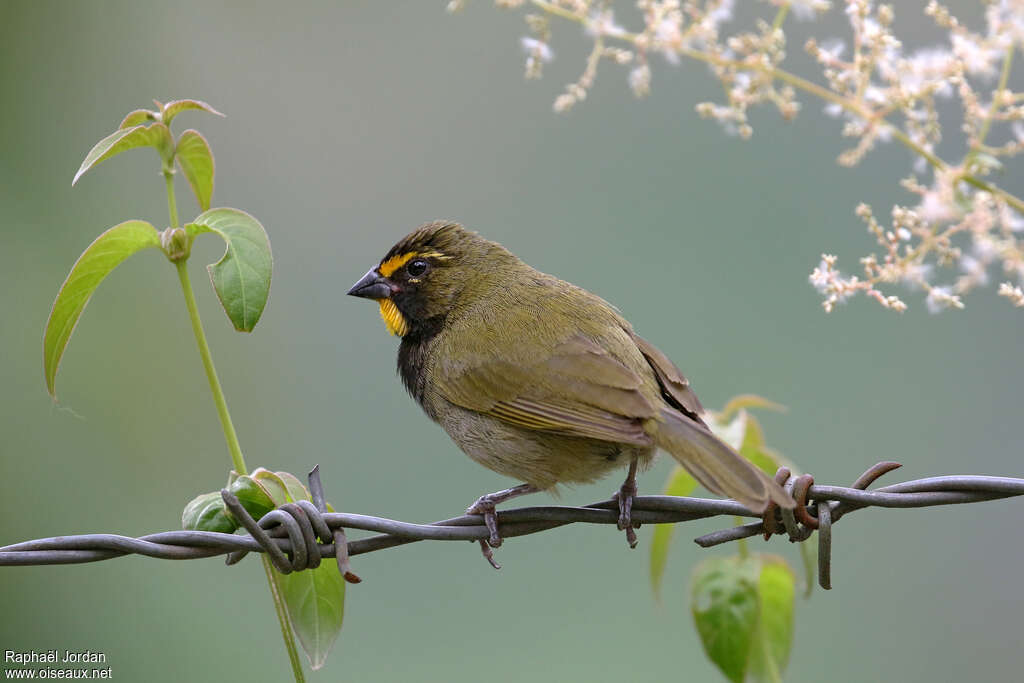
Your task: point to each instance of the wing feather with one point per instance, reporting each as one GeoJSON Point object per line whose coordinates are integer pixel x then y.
{"type": "Point", "coordinates": [673, 384]}
{"type": "Point", "coordinates": [578, 389]}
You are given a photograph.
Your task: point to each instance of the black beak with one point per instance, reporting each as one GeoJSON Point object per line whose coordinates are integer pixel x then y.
{"type": "Point", "coordinates": [373, 285]}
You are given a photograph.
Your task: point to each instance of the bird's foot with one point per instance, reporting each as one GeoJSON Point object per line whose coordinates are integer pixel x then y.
{"type": "Point", "coordinates": [624, 496]}
{"type": "Point", "coordinates": [484, 506]}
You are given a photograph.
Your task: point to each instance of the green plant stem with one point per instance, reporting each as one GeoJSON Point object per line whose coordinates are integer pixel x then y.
{"type": "Point", "coordinates": [230, 435]}
{"type": "Point", "coordinates": [849, 104]}
{"type": "Point", "coordinates": [172, 205]}
{"type": "Point", "coordinates": [282, 618]}
{"type": "Point", "coordinates": [780, 17]}
{"type": "Point", "coordinates": [1004, 77]}
{"type": "Point", "coordinates": [211, 373]}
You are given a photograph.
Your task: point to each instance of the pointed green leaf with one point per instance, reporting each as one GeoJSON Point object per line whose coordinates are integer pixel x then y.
{"type": "Point", "coordinates": [136, 117]}
{"type": "Point", "coordinates": [680, 483]}
{"type": "Point", "coordinates": [172, 109]}
{"type": "Point", "coordinates": [753, 434]}
{"type": "Point", "coordinates": [296, 489]}
{"type": "Point", "coordinates": [768, 460]}
{"type": "Point", "coordinates": [774, 637]}
{"type": "Point", "coordinates": [242, 276]}
{"type": "Point", "coordinates": [95, 263]}
{"type": "Point", "coordinates": [754, 449]}
{"type": "Point", "coordinates": [283, 487]}
{"type": "Point", "coordinates": [208, 513]}
{"type": "Point", "coordinates": [155, 135]}
{"type": "Point", "coordinates": [273, 485]}
{"type": "Point", "coordinates": [315, 599]}
{"type": "Point", "coordinates": [253, 496]}
{"type": "Point", "coordinates": [748, 401]}
{"type": "Point", "coordinates": [196, 161]}
{"type": "Point", "coordinates": [725, 606]}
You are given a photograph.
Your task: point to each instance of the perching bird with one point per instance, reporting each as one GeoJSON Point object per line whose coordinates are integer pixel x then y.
{"type": "Point", "coordinates": [538, 379]}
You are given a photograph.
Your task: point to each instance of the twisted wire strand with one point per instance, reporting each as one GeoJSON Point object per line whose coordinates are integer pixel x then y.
{"type": "Point", "coordinates": [298, 535]}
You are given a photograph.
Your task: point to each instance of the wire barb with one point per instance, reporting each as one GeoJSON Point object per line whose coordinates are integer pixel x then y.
{"type": "Point", "coordinates": [304, 524]}
{"type": "Point", "coordinates": [297, 535]}
{"type": "Point", "coordinates": [799, 523]}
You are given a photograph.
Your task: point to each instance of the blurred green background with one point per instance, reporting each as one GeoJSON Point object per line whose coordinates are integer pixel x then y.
{"type": "Point", "coordinates": [348, 125]}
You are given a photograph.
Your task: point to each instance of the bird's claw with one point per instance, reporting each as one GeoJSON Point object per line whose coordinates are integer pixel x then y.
{"type": "Point", "coordinates": [624, 496]}
{"type": "Point", "coordinates": [484, 506]}
{"type": "Point", "coordinates": [488, 553]}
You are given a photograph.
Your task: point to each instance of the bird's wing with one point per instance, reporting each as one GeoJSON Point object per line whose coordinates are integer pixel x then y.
{"type": "Point", "coordinates": [688, 439]}
{"type": "Point", "coordinates": [578, 388]}
{"type": "Point", "coordinates": [674, 385]}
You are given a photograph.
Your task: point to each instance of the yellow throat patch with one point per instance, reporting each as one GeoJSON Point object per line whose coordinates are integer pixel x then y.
{"type": "Point", "coordinates": [393, 318]}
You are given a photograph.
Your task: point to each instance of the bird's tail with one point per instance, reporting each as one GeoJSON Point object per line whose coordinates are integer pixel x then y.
{"type": "Point", "coordinates": [715, 465]}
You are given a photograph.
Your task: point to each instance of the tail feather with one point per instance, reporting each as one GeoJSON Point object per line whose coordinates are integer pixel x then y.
{"type": "Point", "coordinates": [715, 465]}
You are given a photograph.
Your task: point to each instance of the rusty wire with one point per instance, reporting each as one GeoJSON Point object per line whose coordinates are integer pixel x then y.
{"type": "Point", "coordinates": [297, 535]}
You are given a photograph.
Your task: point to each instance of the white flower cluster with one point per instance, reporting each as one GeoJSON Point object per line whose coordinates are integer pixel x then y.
{"type": "Point", "coordinates": [963, 225]}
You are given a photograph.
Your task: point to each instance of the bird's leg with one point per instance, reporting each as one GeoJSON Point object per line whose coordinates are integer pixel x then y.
{"type": "Point", "coordinates": [484, 505]}
{"type": "Point", "coordinates": [625, 497]}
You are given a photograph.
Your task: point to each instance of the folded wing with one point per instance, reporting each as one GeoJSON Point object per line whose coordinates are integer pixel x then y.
{"type": "Point", "coordinates": [578, 389]}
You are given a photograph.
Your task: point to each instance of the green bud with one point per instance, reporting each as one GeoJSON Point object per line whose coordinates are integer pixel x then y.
{"type": "Point", "coordinates": [176, 243]}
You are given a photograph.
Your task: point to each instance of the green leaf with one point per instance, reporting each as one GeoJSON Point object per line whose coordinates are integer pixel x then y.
{"type": "Point", "coordinates": [774, 636]}
{"type": "Point", "coordinates": [253, 496]}
{"type": "Point", "coordinates": [95, 263]}
{"type": "Point", "coordinates": [136, 117]}
{"type": "Point", "coordinates": [743, 609]}
{"type": "Point", "coordinates": [172, 109]}
{"type": "Point", "coordinates": [737, 403]}
{"type": "Point", "coordinates": [283, 487]}
{"type": "Point", "coordinates": [206, 512]}
{"type": "Point", "coordinates": [315, 599]}
{"type": "Point", "coordinates": [272, 484]}
{"type": "Point", "coordinates": [155, 135]}
{"type": "Point", "coordinates": [725, 609]}
{"type": "Point", "coordinates": [242, 276]}
{"type": "Point", "coordinates": [744, 433]}
{"type": "Point", "coordinates": [296, 489]}
{"type": "Point", "coordinates": [196, 161]}
{"type": "Point", "coordinates": [680, 483]}
{"type": "Point", "coordinates": [754, 449]}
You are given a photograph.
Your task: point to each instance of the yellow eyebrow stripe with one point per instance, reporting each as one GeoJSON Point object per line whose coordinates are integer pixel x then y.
{"type": "Point", "coordinates": [388, 267]}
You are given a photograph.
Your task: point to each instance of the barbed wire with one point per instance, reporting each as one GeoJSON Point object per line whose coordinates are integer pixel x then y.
{"type": "Point", "coordinates": [293, 534]}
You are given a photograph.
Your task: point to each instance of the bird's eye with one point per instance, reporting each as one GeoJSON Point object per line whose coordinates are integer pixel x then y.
{"type": "Point", "coordinates": [416, 267]}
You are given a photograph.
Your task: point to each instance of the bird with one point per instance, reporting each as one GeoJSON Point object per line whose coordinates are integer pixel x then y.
{"type": "Point", "coordinates": [540, 380]}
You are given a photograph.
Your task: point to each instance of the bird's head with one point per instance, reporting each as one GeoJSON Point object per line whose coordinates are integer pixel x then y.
{"type": "Point", "coordinates": [428, 273]}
